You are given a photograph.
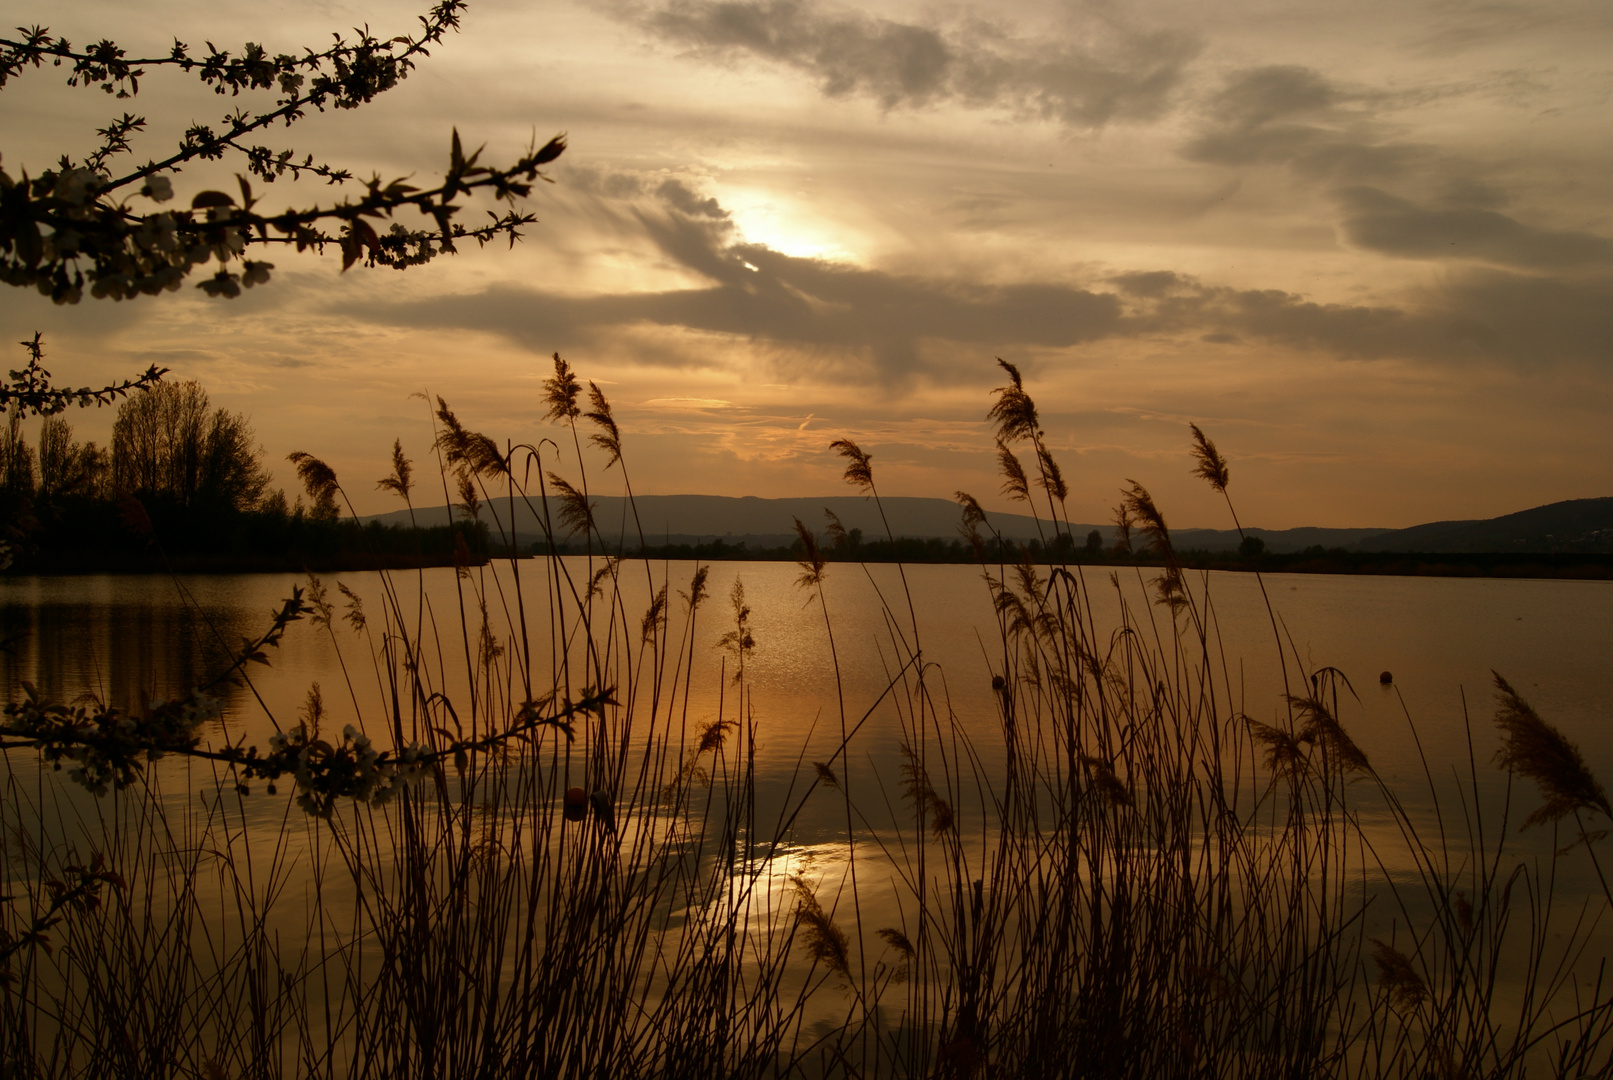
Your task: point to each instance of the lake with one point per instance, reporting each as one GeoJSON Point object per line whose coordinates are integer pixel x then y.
{"type": "Point", "coordinates": [746, 855]}
{"type": "Point", "coordinates": [124, 637]}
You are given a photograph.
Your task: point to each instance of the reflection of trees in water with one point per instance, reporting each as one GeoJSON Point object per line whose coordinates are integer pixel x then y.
{"type": "Point", "coordinates": [127, 654]}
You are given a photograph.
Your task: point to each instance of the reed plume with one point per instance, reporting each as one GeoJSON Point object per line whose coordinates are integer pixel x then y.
{"type": "Point", "coordinates": [319, 480]}
{"type": "Point", "coordinates": [653, 616]}
{"type": "Point", "coordinates": [1535, 749]}
{"type": "Point", "coordinates": [1170, 590]}
{"type": "Point", "coordinates": [401, 481]}
{"type": "Point", "coordinates": [1013, 412]}
{"type": "Point", "coordinates": [697, 588]}
{"type": "Point", "coordinates": [969, 527]}
{"type": "Point", "coordinates": [1052, 478]}
{"type": "Point", "coordinates": [1138, 507]}
{"type": "Point", "coordinates": [738, 640]}
{"type": "Point", "coordinates": [1123, 525]}
{"type": "Point", "coordinates": [560, 392]}
{"type": "Point", "coordinates": [1015, 484]}
{"type": "Point", "coordinates": [973, 515]}
{"type": "Point", "coordinates": [609, 437]}
{"type": "Point", "coordinates": [469, 501]}
{"type": "Point", "coordinates": [462, 448]}
{"type": "Point", "coordinates": [1319, 726]}
{"type": "Point", "coordinates": [832, 525]}
{"type": "Point", "coordinates": [1284, 755]}
{"type": "Point", "coordinates": [1398, 977]}
{"type": "Point", "coordinates": [898, 941]}
{"type": "Point", "coordinates": [825, 942]}
{"type": "Point", "coordinates": [576, 512]}
{"type": "Point", "coordinates": [1105, 782]}
{"type": "Point", "coordinates": [1210, 465]}
{"type": "Point", "coordinates": [859, 469]}
{"type": "Point", "coordinates": [922, 793]}
{"type": "Point", "coordinates": [355, 608]}
{"type": "Point", "coordinates": [811, 562]}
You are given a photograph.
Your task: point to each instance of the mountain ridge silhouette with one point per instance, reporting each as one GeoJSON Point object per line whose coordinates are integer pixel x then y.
{"type": "Point", "coordinates": [1568, 525]}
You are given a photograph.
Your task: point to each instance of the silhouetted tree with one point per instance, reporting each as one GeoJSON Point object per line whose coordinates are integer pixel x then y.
{"type": "Point", "coordinates": [169, 444]}
{"type": "Point", "coordinates": [67, 467]}
{"type": "Point", "coordinates": [16, 460]}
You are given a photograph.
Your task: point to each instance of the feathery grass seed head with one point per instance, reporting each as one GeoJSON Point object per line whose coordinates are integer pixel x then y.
{"type": "Point", "coordinates": [609, 437]}
{"type": "Point", "coordinates": [811, 562]}
{"type": "Point", "coordinates": [1211, 466]}
{"type": "Point", "coordinates": [1398, 977]}
{"type": "Point", "coordinates": [1052, 477]}
{"type": "Point", "coordinates": [560, 392]}
{"type": "Point", "coordinates": [401, 482]}
{"type": "Point", "coordinates": [1013, 412]}
{"type": "Point", "coordinates": [1318, 725]}
{"type": "Point", "coordinates": [1139, 509]}
{"type": "Point", "coordinates": [825, 942]}
{"type": "Point", "coordinates": [1015, 484]}
{"type": "Point", "coordinates": [1533, 748]}
{"type": "Point", "coordinates": [859, 470]}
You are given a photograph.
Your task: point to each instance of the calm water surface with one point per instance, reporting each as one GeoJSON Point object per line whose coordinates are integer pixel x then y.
{"type": "Point", "coordinates": [132, 638]}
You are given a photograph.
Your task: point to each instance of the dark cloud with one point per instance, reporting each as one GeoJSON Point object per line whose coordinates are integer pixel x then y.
{"type": "Point", "coordinates": [1128, 77]}
{"type": "Point", "coordinates": [1469, 192]}
{"type": "Point", "coordinates": [1526, 321]}
{"type": "Point", "coordinates": [1532, 320]}
{"type": "Point", "coordinates": [1294, 116]}
{"type": "Point", "coordinates": [607, 184]}
{"type": "Point", "coordinates": [1382, 222]}
{"type": "Point", "coordinates": [870, 326]}
{"type": "Point", "coordinates": [682, 199]}
{"type": "Point", "coordinates": [1183, 305]}
{"type": "Point", "coordinates": [1150, 283]}
{"type": "Point", "coordinates": [1265, 94]}
{"type": "Point", "coordinates": [874, 320]}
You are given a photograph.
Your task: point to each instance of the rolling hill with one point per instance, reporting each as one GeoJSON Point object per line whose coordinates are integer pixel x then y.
{"type": "Point", "coordinates": [769, 523]}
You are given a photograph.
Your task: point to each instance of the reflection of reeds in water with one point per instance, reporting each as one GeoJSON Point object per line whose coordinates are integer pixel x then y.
{"type": "Point", "coordinates": [1139, 881]}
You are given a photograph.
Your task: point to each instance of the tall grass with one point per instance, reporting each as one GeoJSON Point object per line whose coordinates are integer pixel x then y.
{"type": "Point", "coordinates": [548, 858]}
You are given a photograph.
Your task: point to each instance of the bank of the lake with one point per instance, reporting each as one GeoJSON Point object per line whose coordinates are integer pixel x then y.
{"type": "Point", "coordinates": [1579, 566]}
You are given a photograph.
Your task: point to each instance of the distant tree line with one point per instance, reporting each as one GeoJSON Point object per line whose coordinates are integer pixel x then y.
{"type": "Point", "coordinates": [852, 546]}
{"type": "Point", "coordinates": [182, 486]}
{"type": "Point", "coordinates": [1062, 550]}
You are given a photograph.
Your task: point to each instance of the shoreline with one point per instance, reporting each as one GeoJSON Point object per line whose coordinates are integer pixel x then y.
{"type": "Point", "coordinates": [1572, 566]}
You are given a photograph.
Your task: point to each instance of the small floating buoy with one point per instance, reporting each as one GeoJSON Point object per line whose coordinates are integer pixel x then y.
{"type": "Point", "coordinates": [576, 804]}
{"type": "Point", "coordinates": [1386, 678]}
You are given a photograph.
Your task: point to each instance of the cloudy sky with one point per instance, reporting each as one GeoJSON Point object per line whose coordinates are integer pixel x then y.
{"type": "Point", "coordinates": [1368, 247]}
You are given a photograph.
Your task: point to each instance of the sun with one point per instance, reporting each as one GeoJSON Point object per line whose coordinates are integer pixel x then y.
{"type": "Point", "coordinates": [789, 226]}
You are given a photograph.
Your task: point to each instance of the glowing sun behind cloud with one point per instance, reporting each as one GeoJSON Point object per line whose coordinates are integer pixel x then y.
{"type": "Point", "coordinates": [789, 227]}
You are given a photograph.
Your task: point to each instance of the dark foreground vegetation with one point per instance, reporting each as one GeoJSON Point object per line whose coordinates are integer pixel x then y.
{"type": "Point", "coordinates": [567, 858]}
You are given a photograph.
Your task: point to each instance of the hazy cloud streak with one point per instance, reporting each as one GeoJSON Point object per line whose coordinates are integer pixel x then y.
{"type": "Point", "coordinates": [1382, 222]}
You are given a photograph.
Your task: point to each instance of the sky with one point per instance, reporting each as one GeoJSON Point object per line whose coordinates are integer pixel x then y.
{"type": "Point", "coordinates": [1367, 247]}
